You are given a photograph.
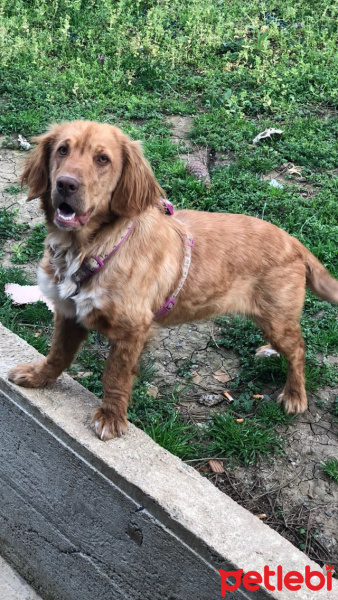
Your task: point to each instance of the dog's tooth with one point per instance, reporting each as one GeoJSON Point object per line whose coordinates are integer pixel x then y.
{"type": "Point", "coordinates": [64, 217]}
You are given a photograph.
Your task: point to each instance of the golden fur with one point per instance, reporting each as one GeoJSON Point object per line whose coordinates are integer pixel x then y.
{"type": "Point", "coordinates": [239, 264]}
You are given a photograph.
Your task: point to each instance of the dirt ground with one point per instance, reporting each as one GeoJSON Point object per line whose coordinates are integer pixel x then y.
{"type": "Point", "coordinates": [292, 491]}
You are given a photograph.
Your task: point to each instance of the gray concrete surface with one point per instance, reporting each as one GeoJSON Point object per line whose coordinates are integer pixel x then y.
{"type": "Point", "coordinates": [12, 586]}
{"type": "Point", "coordinates": [81, 519]}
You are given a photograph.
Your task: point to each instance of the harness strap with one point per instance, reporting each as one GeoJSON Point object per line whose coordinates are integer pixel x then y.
{"type": "Point", "coordinates": [93, 264]}
{"type": "Point", "coordinates": [171, 301]}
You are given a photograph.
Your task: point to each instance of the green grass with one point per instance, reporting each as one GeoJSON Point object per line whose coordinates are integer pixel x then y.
{"type": "Point", "coordinates": [31, 248]}
{"type": "Point", "coordinates": [334, 407]}
{"type": "Point", "coordinates": [160, 419]}
{"type": "Point", "coordinates": [330, 467]}
{"type": "Point", "coordinates": [12, 189]}
{"type": "Point", "coordinates": [244, 441]}
{"type": "Point", "coordinates": [239, 68]}
{"type": "Point", "coordinates": [9, 229]}
{"type": "Point", "coordinates": [163, 57]}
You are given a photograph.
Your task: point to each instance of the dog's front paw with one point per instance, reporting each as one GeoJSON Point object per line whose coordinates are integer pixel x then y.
{"type": "Point", "coordinates": [107, 425]}
{"type": "Point", "coordinates": [32, 375]}
{"type": "Point", "coordinates": [294, 403]}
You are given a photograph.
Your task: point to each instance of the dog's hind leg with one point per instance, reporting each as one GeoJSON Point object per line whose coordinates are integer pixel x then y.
{"type": "Point", "coordinates": [285, 336]}
{"type": "Point", "coordinates": [278, 304]}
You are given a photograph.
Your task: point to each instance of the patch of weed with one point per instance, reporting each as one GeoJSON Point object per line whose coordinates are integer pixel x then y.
{"type": "Point", "coordinates": [162, 57]}
{"type": "Point", "coordinates": [305, 141]}
{"type": "Point", "coordinates": [9, 229]}
{"type": "Point", "coordinates": [245, 441]}
{"type": "Point", "coordinates": [31, 248]}
{"type": "Point", "coordinates": [160, 419]}
{"type": "Point", "coordinates": [13, 189]}
{"type": "Point", "coordinates": [334, 408]}
{"type": "Point", "coordinates": [174, 435]}
{"type": "Point", "coordinates": [330, 467]}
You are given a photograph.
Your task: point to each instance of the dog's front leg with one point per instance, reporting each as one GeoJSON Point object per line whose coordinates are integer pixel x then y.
{"type": "Point", "coordinates": [111, 420]}
{"type": "Point", "coordinates": [67, 336]}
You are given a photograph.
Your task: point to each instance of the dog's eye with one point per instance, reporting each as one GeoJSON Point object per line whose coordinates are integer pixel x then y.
{"type": "Point", "coordinates": [103, 158]}
{"type": "Point", "coordinates": [63, 150]}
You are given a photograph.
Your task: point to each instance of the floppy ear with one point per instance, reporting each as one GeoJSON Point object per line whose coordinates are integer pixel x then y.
{"type": "Point", "coordinates": [36, 173]}
{"type": "Point", "coordinates": [137, 188]}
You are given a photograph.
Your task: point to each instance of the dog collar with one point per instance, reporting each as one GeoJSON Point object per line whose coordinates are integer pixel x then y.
{"type": "Point", "coordinates": [93, 264]}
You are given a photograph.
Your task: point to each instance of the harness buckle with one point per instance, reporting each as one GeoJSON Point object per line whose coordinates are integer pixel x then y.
{"type": "Point", "coordinates": [167, 306]}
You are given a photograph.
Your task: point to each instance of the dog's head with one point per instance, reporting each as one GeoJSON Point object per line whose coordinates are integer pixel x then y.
{"type": "Point", "coordinates": [82, 170]}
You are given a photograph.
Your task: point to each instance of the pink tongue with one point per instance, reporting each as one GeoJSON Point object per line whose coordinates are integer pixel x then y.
{"type": "Point", "coordinates": [84, 218]}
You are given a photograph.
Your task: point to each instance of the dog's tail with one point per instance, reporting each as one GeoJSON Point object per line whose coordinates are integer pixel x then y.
{"type": "Point", "coordinates": [319, 280]}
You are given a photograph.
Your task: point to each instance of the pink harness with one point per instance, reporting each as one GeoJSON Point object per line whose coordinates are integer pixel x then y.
{"type": "Point", "coordinates": [93, 264]}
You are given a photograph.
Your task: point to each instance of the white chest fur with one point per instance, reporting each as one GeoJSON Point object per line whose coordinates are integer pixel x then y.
{"type": "Point", "coordinates": [65, 262]}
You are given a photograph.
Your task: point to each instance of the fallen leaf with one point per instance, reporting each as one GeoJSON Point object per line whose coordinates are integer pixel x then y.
{"type": "Point", "coordinates": [152, 391]}
{"type": "Point", "coordinates": [84, 373]}
{"type": "Point", "coordinates": [265, 134]}
{"type": "Point", "coordinates": [205, 469]}
{"type": "Point", "coordinates": [221, 376]}
{"type": "Point", "coordinates": [216, 466]}
{"type": "Point", "coordinates": [196, 378]}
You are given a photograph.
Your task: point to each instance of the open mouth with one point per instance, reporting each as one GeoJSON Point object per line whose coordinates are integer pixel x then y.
{"type": "Point", "coordinates": [66, 217]}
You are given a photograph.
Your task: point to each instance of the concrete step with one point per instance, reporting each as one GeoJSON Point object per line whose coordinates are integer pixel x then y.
{"type": "Point", "coordinates": [121, 520]}
{"type": "Point", "coordinates": [12, 586]}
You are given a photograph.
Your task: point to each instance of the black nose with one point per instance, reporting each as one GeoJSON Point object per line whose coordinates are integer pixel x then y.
{"type": "Point", "coordinates": [66, 186]}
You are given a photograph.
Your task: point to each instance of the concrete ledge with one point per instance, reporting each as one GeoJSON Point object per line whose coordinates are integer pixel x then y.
{"type": "Point", "coordinates": [12, 586]}
{"type": "Point", "coordinates": [125, 519]}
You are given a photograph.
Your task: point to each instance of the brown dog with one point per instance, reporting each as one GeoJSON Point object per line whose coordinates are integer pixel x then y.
{"type": "Point", "coordinates": [113, 258]}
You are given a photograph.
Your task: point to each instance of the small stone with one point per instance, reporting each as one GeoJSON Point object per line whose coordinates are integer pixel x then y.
{"type": "Point", "coordinates": [200, 171]}
{"type": "Point", "coordinates": [210, 399]}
